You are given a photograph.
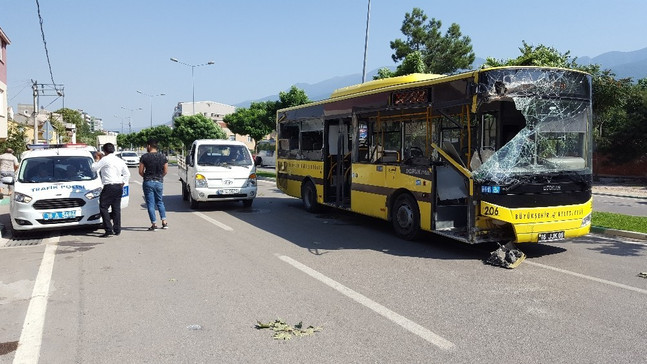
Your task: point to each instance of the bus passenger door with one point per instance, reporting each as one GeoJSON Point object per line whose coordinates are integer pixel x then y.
{"type": "Point", "coordinates": [337, 163]}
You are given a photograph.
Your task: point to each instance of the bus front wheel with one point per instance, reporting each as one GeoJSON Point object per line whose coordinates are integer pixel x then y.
{"type": "Point", "coordinates": [405, 217]}
{"type": "Point", "coordinates": [309, 197]}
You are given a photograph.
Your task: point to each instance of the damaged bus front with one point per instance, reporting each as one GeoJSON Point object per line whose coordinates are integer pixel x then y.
{"type": "Point", "coordinates": [531, 163]}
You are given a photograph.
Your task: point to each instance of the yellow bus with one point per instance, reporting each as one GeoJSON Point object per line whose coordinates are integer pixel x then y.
{"type": "Point", "coordinates": [498, 154]}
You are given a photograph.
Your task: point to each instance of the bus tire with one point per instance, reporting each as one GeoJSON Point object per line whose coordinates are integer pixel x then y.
{"type": "Point", "coordinates": [405, 217]}
{"type": "Point", "coordinates": [185, 192]}
{"type": "Point", "coordinates": [309, 197]}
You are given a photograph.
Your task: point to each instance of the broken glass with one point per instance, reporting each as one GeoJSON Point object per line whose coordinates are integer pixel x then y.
{"type": "Point", "coordinates": [556, 137]}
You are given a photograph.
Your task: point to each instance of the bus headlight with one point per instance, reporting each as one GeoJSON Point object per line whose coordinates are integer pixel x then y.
{"type": "Point", "coordinates": [200, 181]}
{"type": "Point", "coordinates": [91, 195]}
{"type": "Point", "coordinates": [586, 220]}
{"type": "Point", "coordinates": [21, 197]}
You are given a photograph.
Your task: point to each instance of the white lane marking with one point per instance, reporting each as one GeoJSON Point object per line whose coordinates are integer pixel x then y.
{"type": "Point", "coordinates": [32, 329]}
{"type": "Point", "coordinates": [407, 324]}
{"type": "Point", "coordinates": [584, 276]}
{"type": "Point", "coordinates": [215, 222]}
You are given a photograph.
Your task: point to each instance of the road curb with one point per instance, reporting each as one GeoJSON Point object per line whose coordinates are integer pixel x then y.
{"type": "Point", "coordinates": [618, 195]}
{"type": "Point", "coordinates": [615, 232]}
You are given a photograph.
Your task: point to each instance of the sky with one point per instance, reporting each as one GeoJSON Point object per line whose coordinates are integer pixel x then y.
{"type": "Point", "coordinates": [104, 51]}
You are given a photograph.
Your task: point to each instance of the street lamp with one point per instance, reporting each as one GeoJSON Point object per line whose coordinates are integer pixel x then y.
{"type": "Point", "coordinates": [122, 122]}
{"type": "Point", "coordinates": [151, 97]}
{"type": "Point", "coordinates": [129, 119]}
{"type": "Point", "coordinates": [193, 66]}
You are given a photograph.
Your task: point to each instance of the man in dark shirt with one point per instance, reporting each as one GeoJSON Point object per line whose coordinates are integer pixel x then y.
{"type": "Point", "coordinates": [153, 166]}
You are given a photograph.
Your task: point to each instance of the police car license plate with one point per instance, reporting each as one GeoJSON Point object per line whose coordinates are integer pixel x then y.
{"type": "Point", "coordinates": [59, 215]}
{"type": "Point", "coordinates": [228, 191]}
{"type": "Point", "coordinates": [552, 236]}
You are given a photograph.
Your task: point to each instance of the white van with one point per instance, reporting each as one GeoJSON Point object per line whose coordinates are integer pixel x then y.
{"type": "Point", "coordinates": [217, 170]}
{"type": "Point", "coordinates": [56, 188]}
{"type": "Point", "coordinates": [265, 155]}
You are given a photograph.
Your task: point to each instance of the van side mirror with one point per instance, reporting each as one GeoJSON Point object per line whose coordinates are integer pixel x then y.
{"type": "Point", "coordinates": [7, 180]}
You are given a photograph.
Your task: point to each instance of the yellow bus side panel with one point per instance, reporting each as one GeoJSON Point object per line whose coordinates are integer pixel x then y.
{"type": "Point", "coordinates": [529, 222]}
{"type": "Point", "coordinates": [425, 215]}
{"type": "Point", "coordinates": [299, 171]}
{"type": "Point", "coordinates": [369, 204]}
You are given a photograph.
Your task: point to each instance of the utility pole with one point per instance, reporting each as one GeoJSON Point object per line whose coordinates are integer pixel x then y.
{"type": "Point", "coordinates": [368, 18]}
{"type": "Point", "coordinates": [34, 88]}
{"type": "Point", "coordinates": [45, 90]}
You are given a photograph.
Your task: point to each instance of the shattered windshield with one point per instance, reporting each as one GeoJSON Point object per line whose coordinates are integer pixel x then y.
{"type": "Point", "coordinates": [556, 136]}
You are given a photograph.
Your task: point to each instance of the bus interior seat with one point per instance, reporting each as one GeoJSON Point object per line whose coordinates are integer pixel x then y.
{"type": "Point", "coordinates": [390, 156]}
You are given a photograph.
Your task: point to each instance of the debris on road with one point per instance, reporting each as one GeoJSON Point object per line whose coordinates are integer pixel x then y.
{"type": "Point", "coordinates": [506, 256]}
{"type": "Point", "coordinates": [283, 331]}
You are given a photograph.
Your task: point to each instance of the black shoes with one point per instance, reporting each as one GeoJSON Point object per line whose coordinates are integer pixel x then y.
{"type": "Point", "coordinates": [152, 228]}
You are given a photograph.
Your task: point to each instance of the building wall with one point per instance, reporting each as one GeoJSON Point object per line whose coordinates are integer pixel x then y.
{"type": "Point", "coordinates": [4, 106]}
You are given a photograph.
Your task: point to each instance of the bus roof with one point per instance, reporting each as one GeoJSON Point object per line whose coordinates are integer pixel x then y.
{"type": "Point", "coordinates": [385, 82]}
{"type": "Point", "coordinates": [412, 80]}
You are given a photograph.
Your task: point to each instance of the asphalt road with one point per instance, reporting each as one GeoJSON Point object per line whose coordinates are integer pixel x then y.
{"type": "Point", "coordinates": [193, 293]}
{"type": "Point", "coordinates": [635, 206]}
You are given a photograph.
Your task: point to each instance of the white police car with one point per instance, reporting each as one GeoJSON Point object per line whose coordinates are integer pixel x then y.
{"type": "Point", "coordinates": [56, 188]}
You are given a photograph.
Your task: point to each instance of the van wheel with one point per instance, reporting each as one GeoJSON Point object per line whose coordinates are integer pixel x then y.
{"type": "Point", "coordinates": [405, 217]}
{"type": "Point", "coordinates": [185, 192]}
{"type": "Point", "coordinates": [248, 203]}
{"type": "Point", "coordinates": [309, 197]}
{"type": "Point", "coordinates": [193, 203]}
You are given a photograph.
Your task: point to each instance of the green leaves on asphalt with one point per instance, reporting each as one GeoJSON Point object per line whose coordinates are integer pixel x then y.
{"type": "Point", "coordinates": [283, 331]}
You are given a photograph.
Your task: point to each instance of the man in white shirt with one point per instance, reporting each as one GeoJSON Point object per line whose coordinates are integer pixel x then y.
{"type": "Point", "coordinates": [114, 174]}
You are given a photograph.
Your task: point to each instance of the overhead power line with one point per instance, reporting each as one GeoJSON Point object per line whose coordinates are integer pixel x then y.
{"type": "Point", "coordinates": [42, 32]}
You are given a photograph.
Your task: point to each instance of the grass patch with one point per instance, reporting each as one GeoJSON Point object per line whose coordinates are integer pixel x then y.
{"type": "Point", "coordinates": [620, 222]}
{"type": "Point", "coordinates": [265, 174]}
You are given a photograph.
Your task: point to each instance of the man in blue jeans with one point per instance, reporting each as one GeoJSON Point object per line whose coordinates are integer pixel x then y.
{"type": "Point", "coordinates": [153, 166]}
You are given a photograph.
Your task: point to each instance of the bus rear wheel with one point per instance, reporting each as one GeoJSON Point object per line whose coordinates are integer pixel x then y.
{"type": "Point", "coordinates": [309, 197]}
{"type": "Point", "coordinates": [405, 217]}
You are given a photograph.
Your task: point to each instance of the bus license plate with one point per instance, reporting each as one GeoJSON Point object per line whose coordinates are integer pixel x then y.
{"type": "Point", "coordinates": [59, 215]}
{"type": "Point", "coordinates": [552, 236]}
{"type": "Point", "coordinates": [228, 191]}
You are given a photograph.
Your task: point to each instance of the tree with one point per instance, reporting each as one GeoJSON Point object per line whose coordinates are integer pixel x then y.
{"type": "Point", "coordinates": [412, 63]}
{"type": "Point", "coordinates": [443, 54]}
{"type": "Point", "coordinates": [83, 132]}
{"type": "Point", "coordinates": [540, 55]}
{"type": "Point", "coordinates": [189, 128]}
{"type": "Point", "coordinates": [259, 119]}
{"type": "Point", "coordinates": [16, 139]}
{"type": "Point", "coordinates": [256, 121]}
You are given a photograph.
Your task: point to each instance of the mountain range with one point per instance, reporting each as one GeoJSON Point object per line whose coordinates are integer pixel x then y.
{"type": "Point", "coordinates": [624, 64]}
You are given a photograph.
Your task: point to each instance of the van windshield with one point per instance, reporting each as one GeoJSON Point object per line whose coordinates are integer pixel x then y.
{"type": "Point", "coordinates": [56, 169]}
{"type": "Point", "coordinates": [224, 155]}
